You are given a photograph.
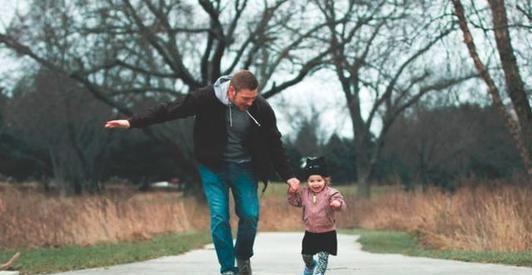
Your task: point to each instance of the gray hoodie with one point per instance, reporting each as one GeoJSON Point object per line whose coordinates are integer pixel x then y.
{"type": "Point", "coordinates": [220, 89]}
{"type": "Point", "coordinates": [237, 124]}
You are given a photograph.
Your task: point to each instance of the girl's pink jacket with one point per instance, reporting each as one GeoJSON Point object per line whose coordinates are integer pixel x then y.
{"type": "Point", "coordinates": [317, 214]}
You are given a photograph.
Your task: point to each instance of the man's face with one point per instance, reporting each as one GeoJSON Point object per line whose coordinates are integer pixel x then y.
{"type": "Point", "coordinates": [243, 99]}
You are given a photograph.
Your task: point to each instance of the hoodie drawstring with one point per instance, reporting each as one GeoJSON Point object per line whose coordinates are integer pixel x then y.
{"type": "Point", "coordinates": [230, 115]}
{"type": "Point", "coordinates": [256, 122]}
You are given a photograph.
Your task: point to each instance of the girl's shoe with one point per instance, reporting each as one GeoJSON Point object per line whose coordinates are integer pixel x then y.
{"type": "Point", "coordinates": [310, 271]}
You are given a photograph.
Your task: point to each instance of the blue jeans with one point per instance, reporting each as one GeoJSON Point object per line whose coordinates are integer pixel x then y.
{"type": "Point", "coordinates": [243, 184]}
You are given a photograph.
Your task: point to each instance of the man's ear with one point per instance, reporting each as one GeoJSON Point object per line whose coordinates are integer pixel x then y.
{"type": "Point", "coordinates": [231, 91]}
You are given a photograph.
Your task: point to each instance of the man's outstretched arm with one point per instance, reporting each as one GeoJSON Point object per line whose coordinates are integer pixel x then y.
{"type": "Point", "coordinates": [120, 123]}
{"type": "Point", "coordinates": [180, 108]}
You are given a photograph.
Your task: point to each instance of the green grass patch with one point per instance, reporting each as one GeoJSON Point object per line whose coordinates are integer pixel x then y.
{"type": "Point", "coordinates": [378, 241]}
{"type": "Point", "coordinates": [46, 260]}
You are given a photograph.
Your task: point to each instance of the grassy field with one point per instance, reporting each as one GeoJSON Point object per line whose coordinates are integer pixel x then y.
{"type": "Point", "coordinates": [479, 222]}
{"type": "Point", "coordinates": [46, 260]}
{"type": "Point", "coordinates": [384, 241]}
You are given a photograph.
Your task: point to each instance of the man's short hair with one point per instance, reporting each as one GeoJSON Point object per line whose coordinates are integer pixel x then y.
{"type": "Point", "coordinates": [244, 79]}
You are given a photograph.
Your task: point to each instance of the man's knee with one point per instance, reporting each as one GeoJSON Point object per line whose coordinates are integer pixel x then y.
{"type": "Point", "coordinates": [249, 215]}
{"type": "Point", "coordinates": [219, 219]}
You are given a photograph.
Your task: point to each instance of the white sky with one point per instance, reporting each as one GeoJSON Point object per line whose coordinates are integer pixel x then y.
{"type": "Point", "coordinates": [7, 10]}
{"type": "Point", "coordinates": [320, 93]}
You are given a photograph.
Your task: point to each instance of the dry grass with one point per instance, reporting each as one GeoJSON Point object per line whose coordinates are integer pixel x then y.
{"type": "Point", "coordinates": [278, 215]}
{"type": "Point", "coordinates": [495, 218]}
{"type": "Point", "coordinates": [33, 219]}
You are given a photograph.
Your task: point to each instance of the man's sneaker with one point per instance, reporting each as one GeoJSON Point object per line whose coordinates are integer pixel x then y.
{"type": "Point", "coordinates": [310, 271]}
{"type": "Point", "coordinates": [244, 267]}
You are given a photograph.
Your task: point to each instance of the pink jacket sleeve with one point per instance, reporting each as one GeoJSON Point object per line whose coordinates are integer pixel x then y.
{"type": "Point", "coordinates": [335, 195]}
{"type": "Point", "coordinates": [294, 199]}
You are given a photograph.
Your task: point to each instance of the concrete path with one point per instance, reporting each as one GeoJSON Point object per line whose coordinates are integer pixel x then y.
{"type": "Point", "coordinates": [279, 254]}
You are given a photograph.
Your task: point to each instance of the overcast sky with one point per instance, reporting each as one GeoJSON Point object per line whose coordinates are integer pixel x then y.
{"type": "Point", "coordinates": [7, 10]}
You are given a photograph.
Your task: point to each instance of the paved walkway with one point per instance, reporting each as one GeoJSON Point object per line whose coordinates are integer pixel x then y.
{"type": "Point", "coordinates": [278, 254]}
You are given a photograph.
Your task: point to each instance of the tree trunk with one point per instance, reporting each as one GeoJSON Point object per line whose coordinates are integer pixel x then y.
{"type": "Point", "coordinates": [363, 166]}
{"type": "Point", "coordinates": [492, 88]}
{"type": "Point", "coordinates": [514, 83]}
{"type": "Point", "coordinates": [363, 184]}
{"type": "Point", "coordinates": [362, 148]}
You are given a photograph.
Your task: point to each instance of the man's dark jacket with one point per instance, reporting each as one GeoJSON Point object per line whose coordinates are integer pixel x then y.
{"type": "Point", "coordinates": [210, 131]}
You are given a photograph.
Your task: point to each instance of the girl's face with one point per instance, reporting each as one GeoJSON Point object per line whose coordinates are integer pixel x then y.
{"type": "Point", "coordinates": [316, 183]}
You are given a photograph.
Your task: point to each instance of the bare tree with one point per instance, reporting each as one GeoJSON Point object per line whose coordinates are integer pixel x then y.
{"type": "Point", "coordinates": [144, 46]}
{"type": "Point", "coordinates": [441, 144]}
{"type": "Point", "coordinates": [378, 49]}
{"type": "Point", "coordinates": [520, 130]}
{"type": "Point", "coordinates": [122, 51]}
{"type": "Point", "coordinates": [56, 116]}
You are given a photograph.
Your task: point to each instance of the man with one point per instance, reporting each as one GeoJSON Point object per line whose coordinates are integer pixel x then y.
{"type": "Point", "coordinates": [236, 142]}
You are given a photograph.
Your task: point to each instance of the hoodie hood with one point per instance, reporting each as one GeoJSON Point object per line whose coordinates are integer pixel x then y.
{"type": "Point", "coordinates": [220, 88]}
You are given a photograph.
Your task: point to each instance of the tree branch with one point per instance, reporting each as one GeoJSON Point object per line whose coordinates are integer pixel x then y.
{"type": "Point", "coordinates": [219, 35]}
{"type": "Point", "coordinates": [144, 71]}
{"type": "Point", "coordinates": [306, 69]}
{"type": "Point", "coordinates": [97, 93]}
{"type": "Point", "coordinates": [178, 67]}
{"type": "Point", "coordinates": [391, 85]}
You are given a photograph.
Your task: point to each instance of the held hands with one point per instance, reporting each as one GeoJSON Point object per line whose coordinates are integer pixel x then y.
{"type": "Point", "coordinates": [336, 205]}
{"type": "Point", "coordinates": [293, 185]}
{"type": "Point", "coordinates": [121, 123]}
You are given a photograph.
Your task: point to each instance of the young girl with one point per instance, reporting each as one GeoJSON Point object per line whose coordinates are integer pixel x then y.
{"type": "Point", "coordinates": [319, 203]}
